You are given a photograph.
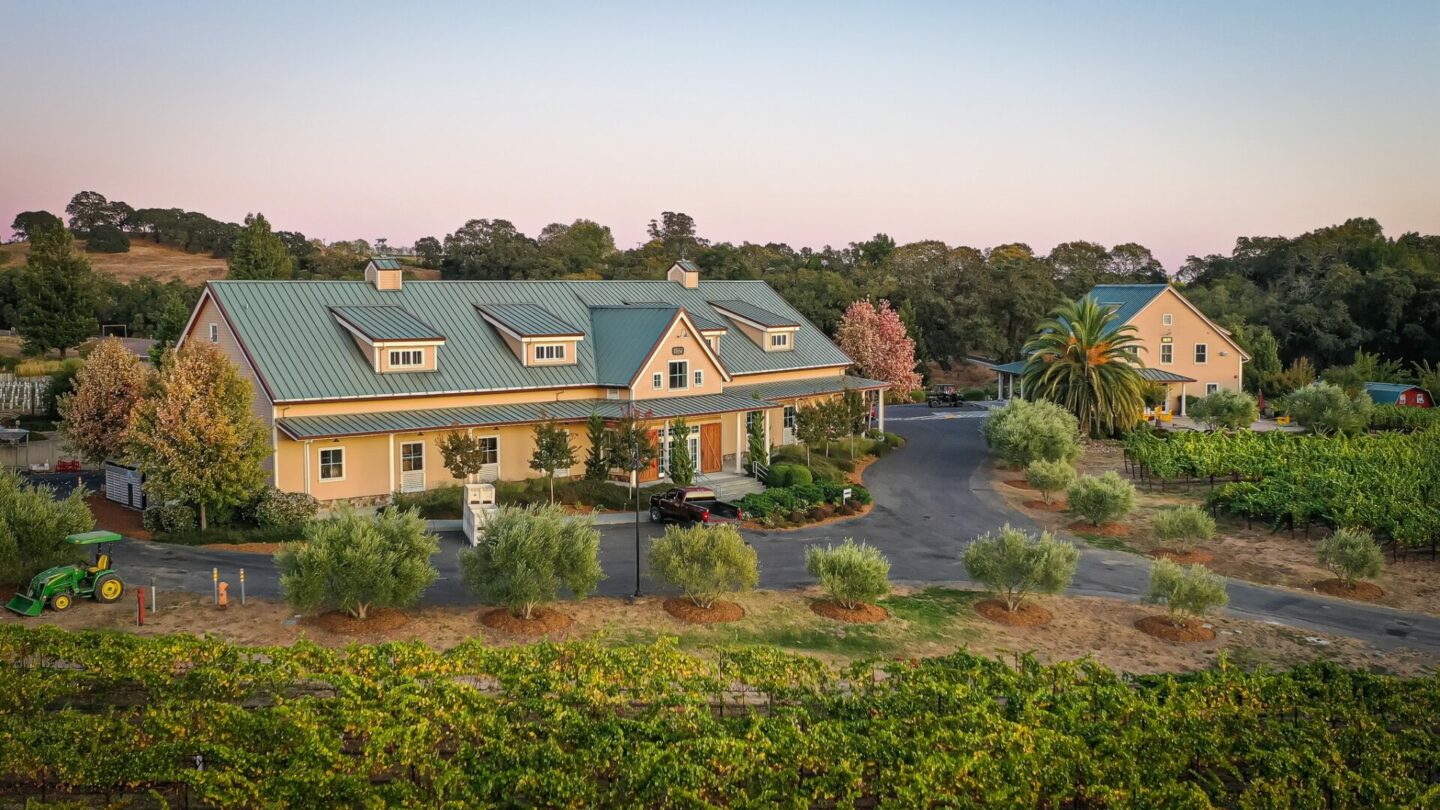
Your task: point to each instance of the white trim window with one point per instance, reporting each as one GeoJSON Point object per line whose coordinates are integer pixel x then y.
{"type": "Point", "coordinates": [1167, 353]}
{"type": "Point", "coordinates": [780, 340]}
{"type": "Point", "coordinates": [1167, 320]}
{"type": "Point", "coordinates": [489, 449]}
{"type": "Point", "coordinates": [789, 417]}
{"type": "Point", "coordinates": [406, 358]}
{"type": "Point", "coordinates": [1211, 388]}
{"type": "Point", "coordinates": [679, 374]}
{"type": "Point", "coordinates": [657, 381]}
{"type": "Point", "coordinates": [214, 333]}
{"type": "Point", "coordinates": [1202, 354]}
{"type": "Point", "coordinates": [550, 351]}
{"type": "Point", "coordinates": [332, 464]}
{"type": "Point", "coordinates": [412, 457]}
{"type": "Point", "coordinates": [699, 378]}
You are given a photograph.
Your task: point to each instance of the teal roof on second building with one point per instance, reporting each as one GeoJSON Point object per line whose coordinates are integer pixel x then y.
{"type": "Point", "coordinates": [1127, 299]}
{"type": "Point", "coordinates": [301, 352]}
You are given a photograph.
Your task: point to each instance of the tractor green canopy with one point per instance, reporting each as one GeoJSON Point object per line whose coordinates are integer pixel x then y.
{"type": "Point", "coordinates": [91, 538]}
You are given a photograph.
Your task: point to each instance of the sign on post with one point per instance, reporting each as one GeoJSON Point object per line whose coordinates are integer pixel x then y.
{"type": "Point", "coordinates": [845, 494]}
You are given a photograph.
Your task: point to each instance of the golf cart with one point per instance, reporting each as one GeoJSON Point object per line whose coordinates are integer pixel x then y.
{"type": "Point", "coordinates": [59, 586]}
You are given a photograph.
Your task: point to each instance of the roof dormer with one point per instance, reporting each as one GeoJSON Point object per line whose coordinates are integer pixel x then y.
{"type": "Point", "coordinates": [384, 273]}
{"type": "Point", "coordinates": [536, 337]}
{"type": "Point", "coordinates": [685, 273]}
{"type": "Point", "coordinates": [393, 339]}
{"type": "Point", "coordinates": [771, 332]}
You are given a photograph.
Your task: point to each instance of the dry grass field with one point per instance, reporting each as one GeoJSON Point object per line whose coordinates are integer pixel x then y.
{"type": "Point", "coordinates": [160, 262]}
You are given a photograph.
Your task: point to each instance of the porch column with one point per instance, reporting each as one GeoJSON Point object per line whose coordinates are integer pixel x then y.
{"type": "Point", "coordinates": [665, 437]}
{"type": "Point", "coordinates": [392, 463]}
{"type": "Point", "coordinates": [307, 466]}
{"type": "Point", "coordinates": [740, 442]}
{"type": "Point", "coordinates": [1022, 385]}
{"type": "Point", "coordinates": [880, 410]}
{"type": "Point", "coordinates": [1182, 399]}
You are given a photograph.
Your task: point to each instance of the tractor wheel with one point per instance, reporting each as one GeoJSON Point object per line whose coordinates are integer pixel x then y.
{"type": "Point", "coordinates": [60, 601]}
{"type": "Point", "coordinates": [108, 588]}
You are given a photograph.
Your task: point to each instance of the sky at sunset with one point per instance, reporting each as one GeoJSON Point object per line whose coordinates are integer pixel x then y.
{"type": "Point", "coordinates": [1179, 126]}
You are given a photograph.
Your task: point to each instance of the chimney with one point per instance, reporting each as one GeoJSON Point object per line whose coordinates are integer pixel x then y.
{"type": "Point", "coordinates": [384, 273]}
{"type": "Point", "coordinates": [685, 273]}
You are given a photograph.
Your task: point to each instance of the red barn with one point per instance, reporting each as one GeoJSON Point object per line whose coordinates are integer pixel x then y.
{"type": "Point", "coordinates": [1399, 394]}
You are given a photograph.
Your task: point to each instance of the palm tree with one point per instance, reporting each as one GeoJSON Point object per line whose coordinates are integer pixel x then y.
{"type": "Point", "coordinates": [1083, 359]}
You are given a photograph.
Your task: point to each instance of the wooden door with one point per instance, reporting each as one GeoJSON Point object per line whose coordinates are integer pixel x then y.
{"type": "Point", "coordinates": [652, 472]}
{"type": "Point", "coordinates": [710, 452]}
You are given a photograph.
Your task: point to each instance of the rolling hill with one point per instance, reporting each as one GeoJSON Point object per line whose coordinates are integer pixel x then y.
{"type": "Point", "coordinates": [160, 262]}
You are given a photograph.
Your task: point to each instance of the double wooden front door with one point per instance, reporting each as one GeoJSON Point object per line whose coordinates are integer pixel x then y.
{"type": "Point", "coordinates": [710, 452]}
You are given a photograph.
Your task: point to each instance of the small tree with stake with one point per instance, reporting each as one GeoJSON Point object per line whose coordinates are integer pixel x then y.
{"type": "Point", "coordinates": [463, 454]}
{"type": "Point", "coordinates": [682, 466]}
{"type": "Point", "coordinates": [810, 427]}
{"type": "Point", "coordinates": [552, 452]}
{"type": "Point", "coordinates": [856, 415]}
{"type": "Point", "coordinates": [756, 447]}
{"type": "Point", "coordinates": [597, 458]}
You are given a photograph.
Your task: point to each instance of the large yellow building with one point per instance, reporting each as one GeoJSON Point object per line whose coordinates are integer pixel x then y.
{"type": "Point", "coordinates": [357, 381]}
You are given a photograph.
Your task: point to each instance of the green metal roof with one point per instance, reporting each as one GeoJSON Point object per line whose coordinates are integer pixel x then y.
{"type": "Point", "coordinates": [529, 320]}
{"type": "Point", "coordinates": [325, 427]}
{"type": "Point", "coordinates": [789, 389]}
{"type": "Point", "coordinates": [302, 353]}
{"type": "Point", "coordinates": [1126, 299]}
{"type": "Point", "coordinates": [385, 263]}
{"type": "Point", "coordinates": [1388, 393]}
{"type": "Point", "coordinates": [1163, 376]}
{"type": "Point", "coordinates": [627, 334]}
{"type": "Point", "coordinates": [387, 322]}
{"type": "Point", "coordinates": [1017, 367]}
{"type": "Point", "coordinates": [750, 312]}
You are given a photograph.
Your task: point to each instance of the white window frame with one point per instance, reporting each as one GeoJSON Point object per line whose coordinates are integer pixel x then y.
{"type": "Point", "coordinates": [1167, 354]}
{"type": "Point", "coordinates": [550, 351]}
{"type": "Point", "coordinates": [214, 333]}
{"type": "Point", "coordinates": [407, 358]}
{"type": "Point", "coordinates": [1202, 354]}
{"type": "Point", "coordinates": [1211, 388]}
{"type": "Point", "coordinates": [495, 440]}
{"type": "Point", "coordinates": [321, 466]}
{"type": "Point", "coordinates": [683, 376]}
{"type": "Point", "coordinates": [403, 447]}
{"type": "Point", "coordinates": [657, 381]}
{"type": "Point", "coordinates": [1167, 320]}
{"type": "Point", "coordinates": [788, 417]}
{"type": "Point", "coordinates": [699, 377]}
{"type": "Point", "coordinates": [780, 340]}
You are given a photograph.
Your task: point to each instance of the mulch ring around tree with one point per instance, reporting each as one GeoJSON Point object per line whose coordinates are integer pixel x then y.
{"type": "Point", "coordinates": [1175, 555]}
{"type": "Point", "coordinates": [381, 620]}
{"type": "Point", "coordinates": [1019, 483]}
{"type": "Point", "coordinates": [1047, 506]}
{"type": "Point", "coordinates": [691, 613]}
{"type": "Point", "coordinates": [542, 622]}
{"type": "Point", "coordinates": [1168, 629]}
{"type": "Point", "coordinates": [1028, 614]}
{"type": "Point", "coordinates": [1103, 530]}
{"type": "Point", "coordinates": [864, 612]}
{"type": "Point", "coordinates": [1366, 591]}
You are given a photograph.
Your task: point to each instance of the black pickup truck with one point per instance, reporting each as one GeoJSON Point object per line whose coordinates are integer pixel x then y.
{"type": "Point", "coordinates": [692, 505]}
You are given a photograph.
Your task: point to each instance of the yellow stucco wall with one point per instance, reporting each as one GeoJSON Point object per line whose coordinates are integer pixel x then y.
{"type": "Point", "coordinates": [685, 339]}
{"type": "Point", "coordinates": [1223, 361]}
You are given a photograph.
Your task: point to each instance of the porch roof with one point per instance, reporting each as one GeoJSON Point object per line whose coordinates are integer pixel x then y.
{"type": "Point", "coordinates": [1163, 376]}
{"type": "Point", "coordinates": [789, 389]}
{"type": "Point", "coordinates": [365, 424]}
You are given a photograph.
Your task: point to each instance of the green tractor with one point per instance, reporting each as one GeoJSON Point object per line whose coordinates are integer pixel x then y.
{"type": "Point", "coordinates": [60, 585]}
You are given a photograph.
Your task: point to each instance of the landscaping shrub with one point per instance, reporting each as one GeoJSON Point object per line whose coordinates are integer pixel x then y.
{"type": "Point", "coordinates": [1049, 476]}
{"type": "Point", "coordinates": [1184, 526]}
{"type": "Point", "coordinates": [704, 562]}
{"type": "Point", "coordinates": [355, 563]}
{"type": "Point", "coordinates": [528, 553]}
{"type": "Point", "coordinates": [973, 394]}
{"type": "Point", "coordinates": [1025, 431]}
{"type": "Point", "coordinates": [850, 573]}
{"type": "Point", "coordinates": [33, 527]}
{"type": "Point", "coordinates": [1230, 410]}
{"type": "Point", "coordinates": [1102, 498]}
{"type": "Point", "coordinates": [582, 493]}
{"type": "Point", "coordinates": [1326, 408]}
{"type": "Point", "coordinates": [276, 508]}
{"type": "Point", "coordinates": [1014, 564]}
{"type": "Point", "coordinates": [232, 535]}
{"type": "Point", "coordinates": [1351, 555]}
{"type": "Point", "coordinates": [1189, 591]}
{"type": "Point", "coordinates": [168, 518]}
{"type": "Point", "coordinates": [441, 503]}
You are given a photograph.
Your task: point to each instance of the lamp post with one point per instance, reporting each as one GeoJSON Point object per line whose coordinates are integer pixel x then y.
{"type": "Point", "coordinates": [633, 446]}
{"type": "Point", "coordinates": [635, 464]}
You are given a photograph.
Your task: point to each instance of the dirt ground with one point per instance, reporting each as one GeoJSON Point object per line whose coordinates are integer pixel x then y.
{"type": "Point", "coordinates": [928, 622]}
{"type": "Point", "coordinates": [963, 374]}
{"type": "Point", "coordinates": [111, 515]}
{"type": "Point", "coordinates": [1253, 553]}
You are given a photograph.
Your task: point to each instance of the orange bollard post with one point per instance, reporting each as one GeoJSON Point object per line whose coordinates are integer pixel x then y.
{"type": "Point", "coordinates": [140, 605]}
{"type": "Point", "coordinates": [224, 594]}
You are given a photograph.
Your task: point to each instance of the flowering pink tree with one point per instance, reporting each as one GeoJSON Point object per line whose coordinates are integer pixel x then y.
{"type": "Point", "coordinates": [874, 335]}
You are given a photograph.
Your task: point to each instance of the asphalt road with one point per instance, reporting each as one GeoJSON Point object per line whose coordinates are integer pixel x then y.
{"type": "Point", "coordinates": [932, 497]}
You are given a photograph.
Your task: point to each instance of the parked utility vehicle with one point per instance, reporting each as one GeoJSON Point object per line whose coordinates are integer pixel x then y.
{"type": "Point", "coordinates": [942, 395]}
{"type": "Point", "coordinates": [59, 586]}
{"type": "Point", "coordinates": [692, 505]}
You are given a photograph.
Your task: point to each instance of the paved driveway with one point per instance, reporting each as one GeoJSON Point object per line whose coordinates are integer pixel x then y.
{"type": "Point", "coordinates": [932, 498]}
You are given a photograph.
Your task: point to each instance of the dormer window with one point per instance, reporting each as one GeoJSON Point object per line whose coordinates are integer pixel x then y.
{"type": "Point", "coordinates": [537, 337]}
{"type": "Point", "coordinates": [547, 352]}
{"type": "Point", "coordinates": [769, 331]}
{"type": "Point", "coordinates": [406, 358]}
{"type": "Point", "coordinates": [779, 341]}
{"type": "Point", "coordinates": [391, 338]}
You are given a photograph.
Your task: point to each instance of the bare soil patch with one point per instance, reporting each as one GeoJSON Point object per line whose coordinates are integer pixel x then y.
{"type": "Point", "coordinates": [1019, 483]}
{"type": "Point", "coordinates": [1366, 591]}
{"type": "Point", "coordinates": [382, 620]}
{"type": "Point", "coordinates": [1193, 556]}
{"type": "Point", "coordinates": [114, 517]}
{"type": "Point", "coordinates": [244, 548]}
{"type": "Point", "coordinates": [542, 622]}
{"type": "Point", "coordinates": [720, 611]}
{"type": "Point", "coordinates": [1103, 530]}
{"type": "Point", "coordinates": [864, 613]}
{"type": "Point", "coordinates": [1047, 506]}
{"type": "Point", "coordinates": [1173, 630]}
{"type": "Point", "coordinates": [1028, 614]}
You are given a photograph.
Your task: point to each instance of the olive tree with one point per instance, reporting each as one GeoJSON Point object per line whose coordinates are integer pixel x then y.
{"type": "Point", "coordinates": [1327, 408]}
{"type": "Point", "coordinates": [1188, 591]}
{"type": "Point", "coordinates": [1184, 526]}
{"type": "Point", "coordinates": [1230, 410]}
{"type": "Point", "coordinates": [1102, 498]}
{"type": "Point", "coordinates": [34, 525]}
{"type": "Point", "coordinates": [850, 573]}
{"type": "Point", "coordinates": [704, 562]}
{"type": "Point", "coordinates": [356, 564]}
{"type": "Point", "coordinates": [1024, 431]}
{"type": "Point", "coordinates": [528, 553]}
{"type": "Point", "coordinates": [1049, 476]}
{"type": "Point", "coordinates": [1013, 564]}
{"type": "Point", "coordinates": [1351, 555]}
